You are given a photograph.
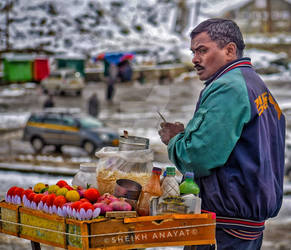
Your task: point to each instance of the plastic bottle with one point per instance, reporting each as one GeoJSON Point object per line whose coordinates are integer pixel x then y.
{"type": "Point", "coordinates": [170, 186]}
{"type": "Point", "coordinates": [86, 176]}
{"type": "Point", "coordinates": [151, 189]}
{"type": "Point", "coordinates": [189, 192]}
{"type": "Point", "coordinates": [188, 186]}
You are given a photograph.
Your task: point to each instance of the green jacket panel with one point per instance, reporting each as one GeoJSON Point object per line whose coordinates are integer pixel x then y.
{"type": "Point", "coordinates": [216, 126]}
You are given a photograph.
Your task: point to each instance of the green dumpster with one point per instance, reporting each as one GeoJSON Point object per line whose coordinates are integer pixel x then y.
{"type": "Point", "coordinates": [18, 69]}
{"type": "Point", "coordinates": [78, 64]}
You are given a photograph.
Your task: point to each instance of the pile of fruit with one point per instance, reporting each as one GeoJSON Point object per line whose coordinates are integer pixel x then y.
{"type": "Point", "coordinates": [66, 201]}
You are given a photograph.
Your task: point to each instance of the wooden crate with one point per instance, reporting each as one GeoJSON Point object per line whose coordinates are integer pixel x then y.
{"type": "Point", "coordinates": [108, 233]}
{"type": "Point", "coordinates": [142, 232]}
{"type": "Point", "coordinates": [42, 227]}
{"type": "Point", "coordinates": [78, 232]}
{"type": "Point", "coordinates": [9, 212]}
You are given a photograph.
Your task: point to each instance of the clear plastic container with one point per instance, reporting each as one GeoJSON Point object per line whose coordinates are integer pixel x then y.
{"type": "Point", "coordinates": [193, 203]}
{"type": "Point", "coordinates": [86, 176]}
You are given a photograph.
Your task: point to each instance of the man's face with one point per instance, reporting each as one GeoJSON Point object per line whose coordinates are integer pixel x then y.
{"type": "Point", "coordinates": [208, 58]}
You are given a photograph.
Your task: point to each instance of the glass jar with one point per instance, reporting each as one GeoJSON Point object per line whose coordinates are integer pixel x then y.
{"type": "Point", "coordinates": [86, 176]}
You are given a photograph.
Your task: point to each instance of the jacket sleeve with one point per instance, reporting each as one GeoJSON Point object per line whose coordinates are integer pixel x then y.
{"type": "Point", "coordinates": [212, 133]}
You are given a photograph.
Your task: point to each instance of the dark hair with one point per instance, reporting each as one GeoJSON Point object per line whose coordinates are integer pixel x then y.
{"type": "Point", "coordinates": [222, 31]}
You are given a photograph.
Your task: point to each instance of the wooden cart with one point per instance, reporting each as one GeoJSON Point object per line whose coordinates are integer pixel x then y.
{"type": "Point", "coordinates": [107, 233]}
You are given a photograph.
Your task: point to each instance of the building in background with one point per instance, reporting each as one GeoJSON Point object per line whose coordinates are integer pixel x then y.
{"type": "Point", "coordinates": [261, 16]}
{"type": "Point", "coordinates": [24, 68]}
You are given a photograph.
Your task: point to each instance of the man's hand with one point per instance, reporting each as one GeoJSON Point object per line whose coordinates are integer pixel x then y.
{"type": "Point", "coordinates": [169, 130]}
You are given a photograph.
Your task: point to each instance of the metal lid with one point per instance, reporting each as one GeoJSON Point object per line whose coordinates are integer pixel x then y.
{"type": "Point", "coordinates": [189, 175]}
{"type": "Point", "coordinates": [157, 170]}
{"type": "Point", "coordinates": [133, 143]}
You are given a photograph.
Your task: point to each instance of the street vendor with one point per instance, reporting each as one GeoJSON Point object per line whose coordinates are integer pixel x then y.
{"type": "Point", "coordinates": [235, 141]}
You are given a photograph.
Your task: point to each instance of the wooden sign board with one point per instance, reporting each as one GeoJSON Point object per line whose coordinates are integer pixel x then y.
{"type": "Point", "coordinates": [147, 231]}
{"type": "Point", "coordinates": [42, 227]}
{"type": "Point", "coordinates": [109, 233]}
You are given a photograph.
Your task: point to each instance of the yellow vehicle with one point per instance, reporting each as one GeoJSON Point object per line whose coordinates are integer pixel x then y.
{"type": "Point", "coordinates": [61, 126]}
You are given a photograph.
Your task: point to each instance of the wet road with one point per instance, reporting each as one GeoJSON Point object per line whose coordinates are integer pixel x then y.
{"type": "Point", "coordinates": [134, 109]}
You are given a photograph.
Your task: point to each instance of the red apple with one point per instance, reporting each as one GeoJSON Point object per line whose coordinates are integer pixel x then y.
{"type": "Point", "coordinates": [50, 199]}
{"type": "Point", "coordinates": [75, 205]}
{"type": "Point", "coordinates": [19, 192]}
{"type": "Point", "coordinates": [37, 198]}
{"type": "Point", "coordinates": [62, 183]}
{"type": "Point", "coordinates": [86, 206]}
{"type": "Point", "coordinates": [92, 194]}
{"type": "Point", "coordinates": [59, 201]}
{"type": "Point", "coordinates": [11, 190]}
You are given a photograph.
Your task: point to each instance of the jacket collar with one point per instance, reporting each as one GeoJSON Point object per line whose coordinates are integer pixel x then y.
{"type": "Point", "coordinates": [242, 62]}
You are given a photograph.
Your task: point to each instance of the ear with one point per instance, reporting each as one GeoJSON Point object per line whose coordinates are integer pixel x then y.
{"type": "Point", "coordinates": [230, 51]}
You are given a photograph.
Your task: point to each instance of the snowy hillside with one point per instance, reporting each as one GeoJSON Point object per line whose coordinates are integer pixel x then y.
{"type": "Point", "coordinates": [87, 27]}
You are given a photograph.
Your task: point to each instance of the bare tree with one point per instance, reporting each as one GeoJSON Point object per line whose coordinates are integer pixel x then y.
{"type": "Point", "coordinates": [6, 9]}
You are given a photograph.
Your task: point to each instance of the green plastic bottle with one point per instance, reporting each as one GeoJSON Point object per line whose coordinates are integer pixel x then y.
{"type": "Point", "coordinates": [188, 186]}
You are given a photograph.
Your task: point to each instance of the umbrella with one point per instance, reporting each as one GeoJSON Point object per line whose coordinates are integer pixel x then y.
{"type": "Point", "coordinates": [115, 57]}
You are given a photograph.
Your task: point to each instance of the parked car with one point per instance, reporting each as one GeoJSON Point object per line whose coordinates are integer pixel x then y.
{"type": "Point", "coordinates": [58, 127]}
{"type": "Point", "coordinates": [63, 82]}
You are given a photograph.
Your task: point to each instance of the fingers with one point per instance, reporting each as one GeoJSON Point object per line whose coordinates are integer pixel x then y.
{"type": "Point", "coordinates": [166, 124]}
{"type": "Point", "coordinates": [162, 125]}
{"type": "Point", "coordinates": [163, 132]}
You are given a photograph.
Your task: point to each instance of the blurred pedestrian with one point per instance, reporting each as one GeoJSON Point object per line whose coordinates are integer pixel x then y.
{"type": "Point", "coordinates": [93, 105]}
{"type": "Point", "coordinates": [112, 78]}
{"type": "Point", "coordinates": [125, 71]}
{"type": "Point", "coordinates": [141, 77]}
{"type": "Point", "coordinates": [49, 102]}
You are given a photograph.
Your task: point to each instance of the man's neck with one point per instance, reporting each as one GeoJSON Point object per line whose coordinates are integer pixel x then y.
{"type": "Point", "coordinates": [240, 62]}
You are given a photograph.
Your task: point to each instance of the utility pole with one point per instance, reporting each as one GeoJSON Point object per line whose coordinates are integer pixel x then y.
{"type": "Point", "coordinates": [7, 35]}
{"type": "Point", "coordinates": [197, 11]}
{"type": "Point", "coordinates": [182, 16]}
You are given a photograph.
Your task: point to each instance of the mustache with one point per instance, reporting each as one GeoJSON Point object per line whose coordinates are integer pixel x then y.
{"type": "Point", "coordinates": [198, 67]}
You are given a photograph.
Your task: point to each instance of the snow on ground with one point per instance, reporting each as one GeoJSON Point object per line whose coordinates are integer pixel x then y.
{"type": "Point", "coordinates": [11, 120]}
{"type": "Point", "coordinates": [263, 58]}
{"type": "Point", "coordinates": [282, 76]}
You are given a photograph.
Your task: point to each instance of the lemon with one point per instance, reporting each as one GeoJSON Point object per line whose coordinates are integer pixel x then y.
{"type": "Point", "coordinates": [62, 191]}
{"type": "Point", "coordinates": [53, 189]}
{"type": "Point", "coordinates": [72, 195]}
{"type": "Point", "coordinates": [38, 187]}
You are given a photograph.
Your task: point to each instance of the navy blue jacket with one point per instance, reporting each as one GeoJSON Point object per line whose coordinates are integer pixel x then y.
{"type": "Point", "coordinates": [235, 146]}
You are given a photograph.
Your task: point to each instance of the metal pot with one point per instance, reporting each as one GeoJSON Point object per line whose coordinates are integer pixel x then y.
{"type": "Point", "coordinates": [127, 188]}
{"type": "Point", "coordinates": [133, 143]}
